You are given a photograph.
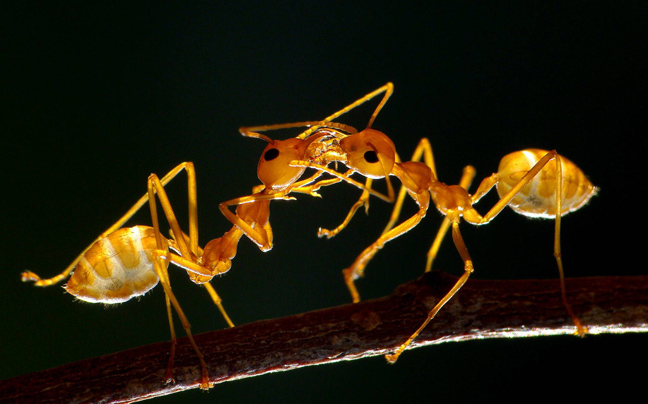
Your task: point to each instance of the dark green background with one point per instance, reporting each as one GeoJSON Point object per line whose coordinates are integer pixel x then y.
{"type": "Point", "coordinates": [100, 96]}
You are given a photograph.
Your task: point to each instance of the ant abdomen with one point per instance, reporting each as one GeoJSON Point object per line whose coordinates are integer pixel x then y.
{"type": "Point", "coordinates": [116, 268]}
{"type": "Point", "coordinates": [538, 198]}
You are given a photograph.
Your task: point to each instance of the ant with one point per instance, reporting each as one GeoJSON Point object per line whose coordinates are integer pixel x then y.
{"type": "Point", "coordinates": [525, 181]}
{"type": "Point", "coordinates": [125, 262]}
{"type": "Point", "coordinates": [252, 214]}
{"type": "Point", "coordinates": [280, 178]}
{"type": "Point", "coordinates": [122, 263]}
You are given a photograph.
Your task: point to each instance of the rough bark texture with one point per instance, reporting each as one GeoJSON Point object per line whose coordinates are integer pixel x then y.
{"type": "Point", "coordinates": [482, 309]}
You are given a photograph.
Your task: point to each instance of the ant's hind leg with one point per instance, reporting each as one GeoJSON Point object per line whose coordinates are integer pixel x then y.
{"type": "Point", "coordinates": [506, 199]}
{"type": "Point", "coordinates": [31, 276]}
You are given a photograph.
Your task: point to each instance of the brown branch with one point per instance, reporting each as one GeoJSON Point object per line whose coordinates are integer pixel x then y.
{"type": "Point", "coordinates": [482, 309]}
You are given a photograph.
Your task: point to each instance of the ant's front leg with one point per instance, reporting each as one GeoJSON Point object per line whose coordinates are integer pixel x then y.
{"type": "Point", "coordinates": [356, 270]}
{"type": "Point", "coordinates": [253, 219]}
{"type": "Point", "coordinates": [362, 201]}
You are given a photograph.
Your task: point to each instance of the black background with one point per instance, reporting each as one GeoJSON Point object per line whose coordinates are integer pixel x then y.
{"type": "Point", "coordinates": [99, 96]}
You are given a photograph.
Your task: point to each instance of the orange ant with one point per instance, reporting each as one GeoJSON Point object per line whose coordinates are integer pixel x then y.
{"type": "Point", "coordinates": [123, 263]}
{"type": "Point", "coordinates": [279, 178]}
{"type": "Point", "coordinates": [525, 181]}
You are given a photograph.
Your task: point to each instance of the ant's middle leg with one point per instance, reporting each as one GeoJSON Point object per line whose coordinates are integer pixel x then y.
{"type": "Point", "coordinates": [466, 180]}
{"type": "Point", "coordinates": [468, 269]}
{"type": "Point", "coordinates": [170, 298]}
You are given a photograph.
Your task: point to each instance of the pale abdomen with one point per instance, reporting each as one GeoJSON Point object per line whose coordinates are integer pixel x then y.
{"type": "Point", "coordinates": [538, 198]}
{"type": "Point", "coordinates": [117, 267]}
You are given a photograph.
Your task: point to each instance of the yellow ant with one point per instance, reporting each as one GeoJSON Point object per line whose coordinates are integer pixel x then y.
{"type": "Point", "coordinates": [252, 215]}
{"type": "Point", "coordinates": [123, 263]}
{"type": "Point", "coordinates": [525, 181]}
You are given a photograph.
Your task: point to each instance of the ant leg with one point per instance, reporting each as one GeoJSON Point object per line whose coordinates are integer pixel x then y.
{"type": "Point", "coordinates": [466, 180]}
{"type": "Point", "coordinates": [188, 259]}
{"type": "Point", "coordinates": [364, 198]}
{"type": "Point", "coordinates": [164, 280]}
{"type": "Point", "coordinates": [306, 186]}
{"type": "Point", "coordinates": [311, 190]}
{"type": "Point", "coordinates": [169, 372]}
{"type": "Point", "coordinates": [362, 201]}
{"type": "Point", "coordinates": [257, 237]}
{"type": "Point", "coordinates": [501, 204]}
{"type": "Point", "coordinates": [218, 302]}
{"type": "Point", "coordinates": [388, 89]}
{"type": "Point", "coordinates": [398, 206]}
{"type": "Point", "coordinates": [356, 270]}
{"type": "Point", "coordinates": [580, 329]}
{"type": "Point", "coordinates": [262, 239]}
{"type": "Point", "coordinates": [31, 276]}
{"type": "Point", "coordinates": [162, 273]}
{"type": "Point", "coordinates": [468, 269]}
{"type": "Point", "coordinates": [252, 131]}
{"type": "Point", "coordinates": [436, 244]}
{"type": "Point", "coordinates": [423, 150]}
{"type": "Point", "coordinates": [344, 177]}
{"type": "Point", "coordinates": [156, 187]}
{"type": "Point", "coordinates": [199, 274]}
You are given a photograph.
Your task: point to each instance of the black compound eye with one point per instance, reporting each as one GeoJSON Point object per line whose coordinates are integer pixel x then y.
{"type": "Point", "coordinates": [271, 154]}
{"type": "Point", "coordinates": [371, 157]}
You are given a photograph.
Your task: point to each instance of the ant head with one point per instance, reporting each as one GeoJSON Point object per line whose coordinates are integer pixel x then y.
{"type": "Point", "coordinates": [274, 168]}
{"type": "Point", "coordinates": [369, 152]}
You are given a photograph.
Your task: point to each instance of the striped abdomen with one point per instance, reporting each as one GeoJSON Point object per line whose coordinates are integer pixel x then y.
{"type": "Point", "coordinates": [538, 198]}
{"type": "Point", "coordinates": [117, 267]}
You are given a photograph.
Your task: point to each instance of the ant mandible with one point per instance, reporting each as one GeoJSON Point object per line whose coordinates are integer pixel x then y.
{"type": "Point", "coordinates": [125, 262]}
{"type": "Point", "coordinates": [525, 181]}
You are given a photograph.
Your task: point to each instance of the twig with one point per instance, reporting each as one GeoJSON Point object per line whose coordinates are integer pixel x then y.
{"type": "Point", "coordinates": [482, 309]}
